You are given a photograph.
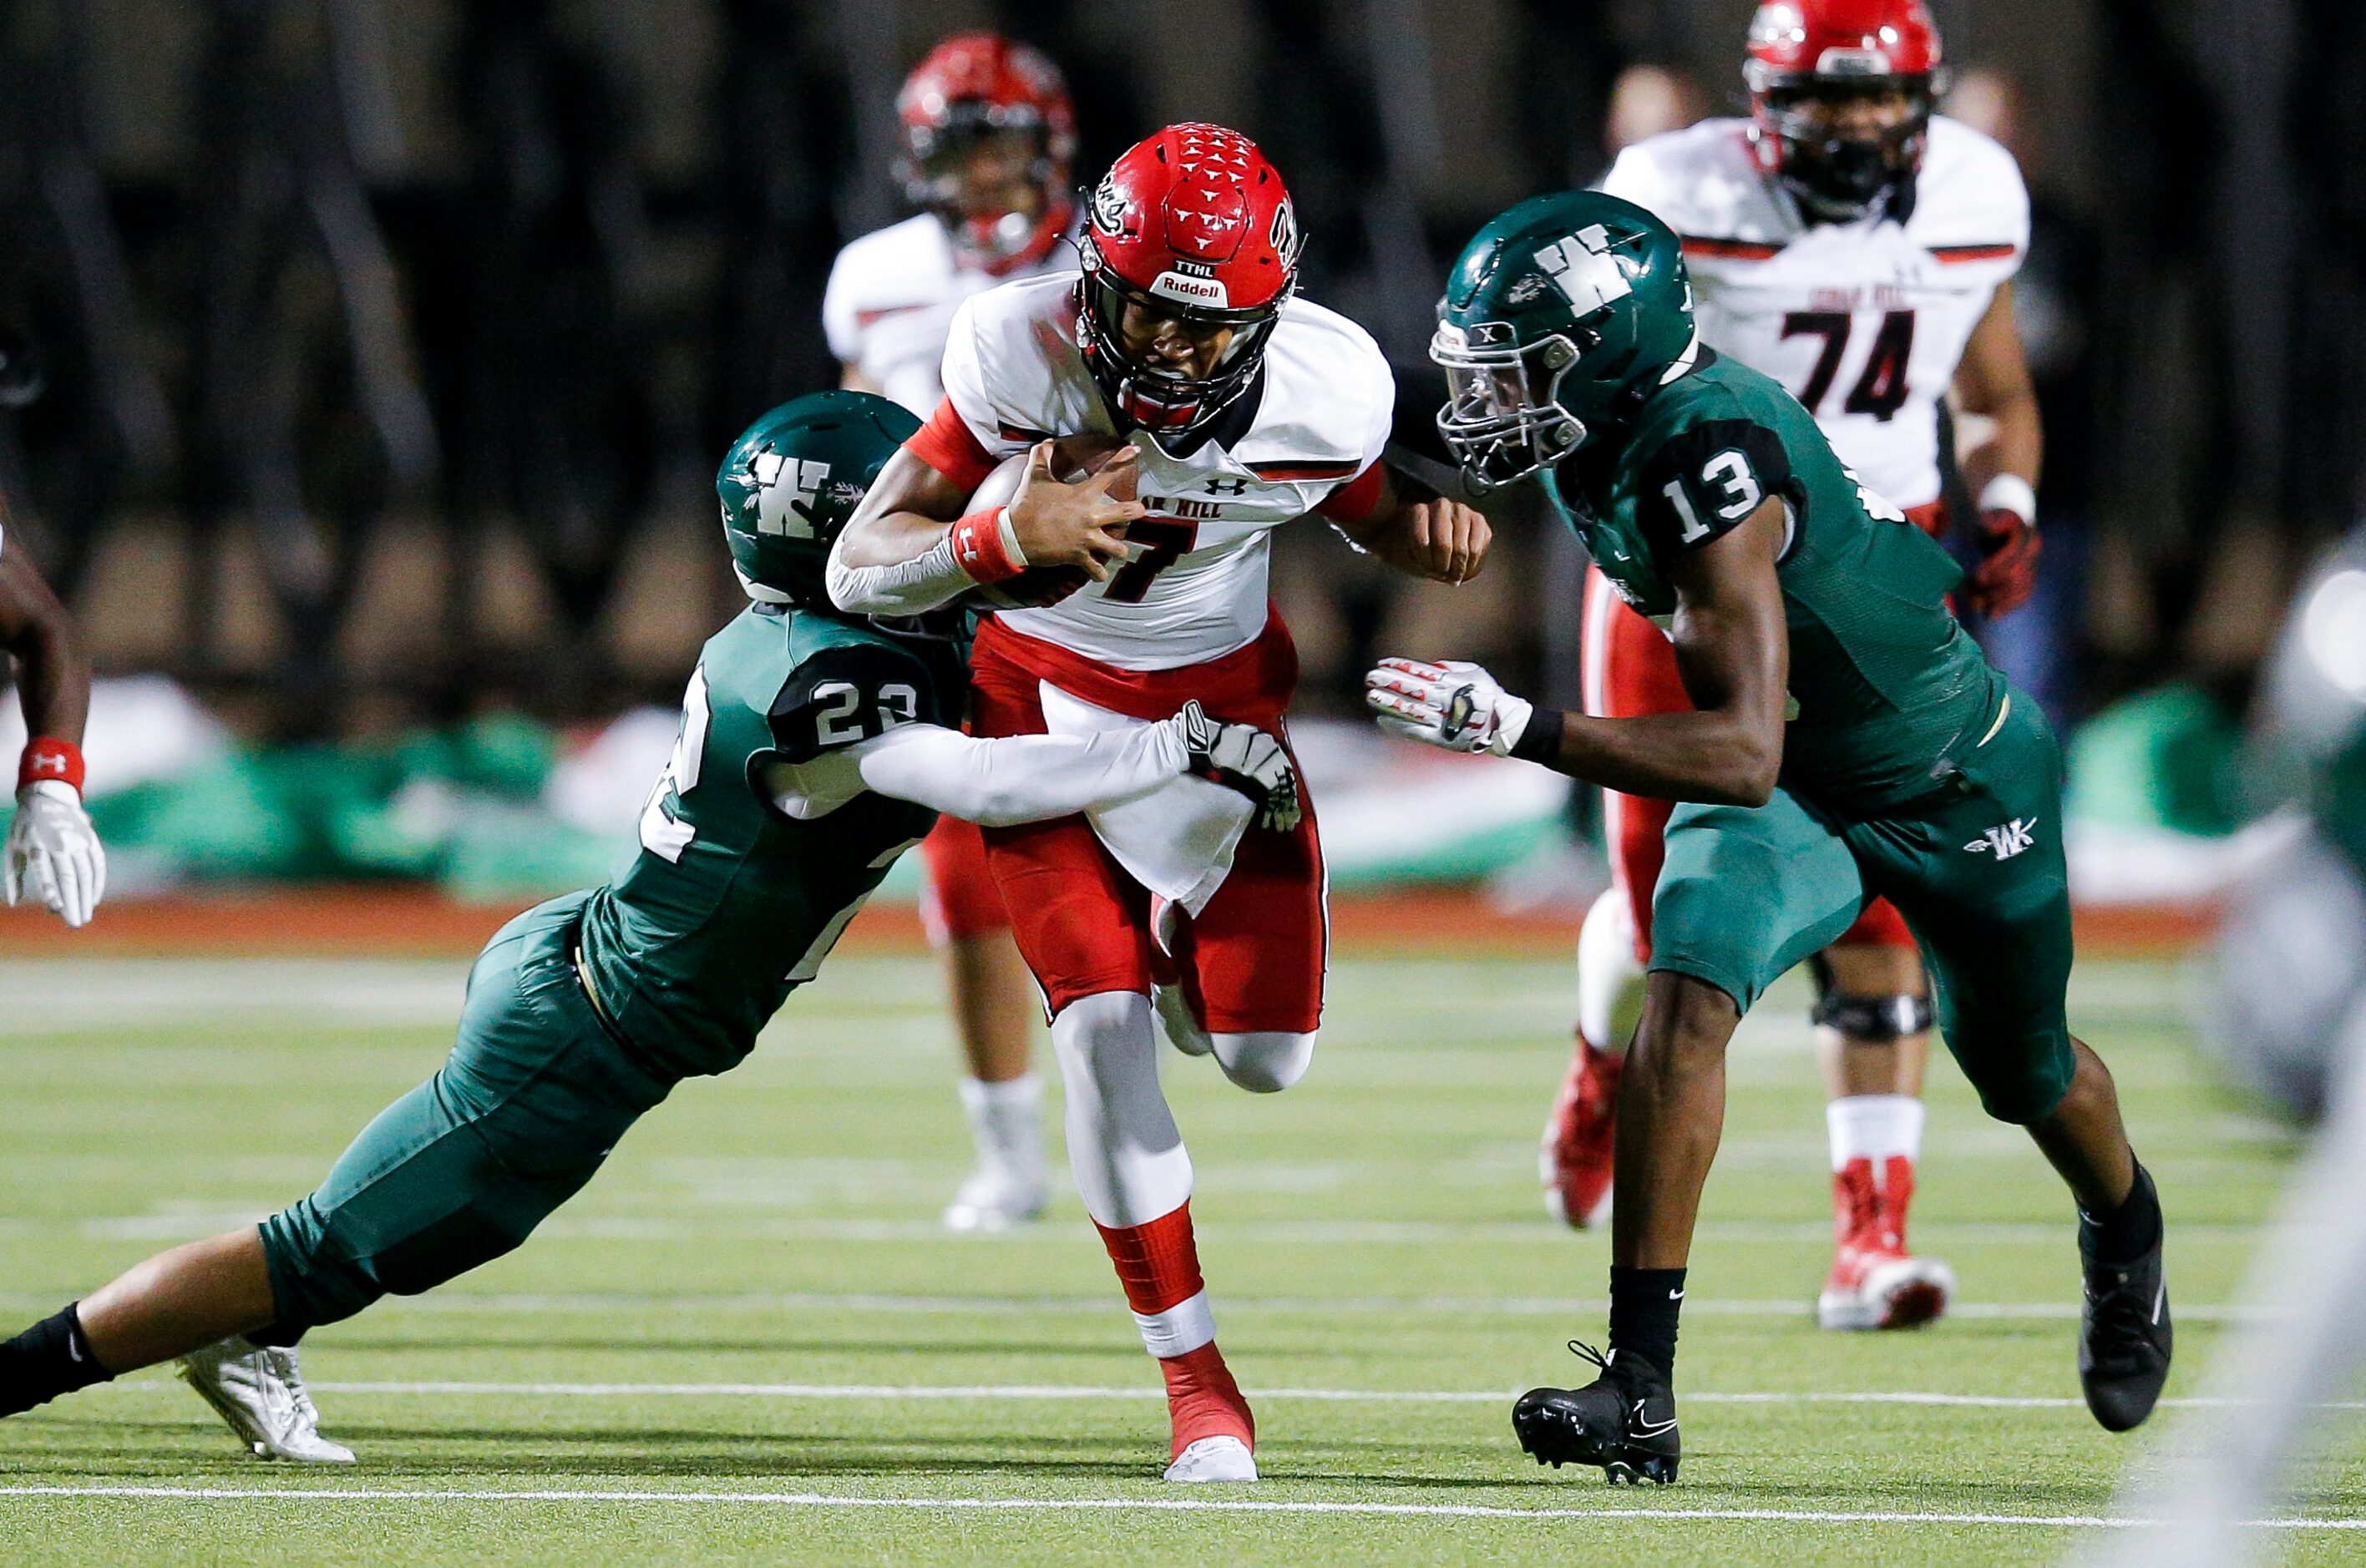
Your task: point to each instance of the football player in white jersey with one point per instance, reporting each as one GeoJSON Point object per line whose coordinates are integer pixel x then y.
{"type": "Point", "coordinates": [52, 854]}
{"type": "Point", "coordinates": [988, 136]}
{"type": "Point", "coordinates": [1242, 408]}
{"type": "Point", "coordinates": [1859, 249]}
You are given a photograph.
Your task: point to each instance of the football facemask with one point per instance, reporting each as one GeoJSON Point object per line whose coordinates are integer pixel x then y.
{"type": "Point", "coordinates": [1503, 417]}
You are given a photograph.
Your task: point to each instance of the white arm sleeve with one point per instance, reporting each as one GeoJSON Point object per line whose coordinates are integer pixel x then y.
{"type": "Point", "coordinates": [908, 588]}
{"type": "Point", "coordinates": [994, 783]}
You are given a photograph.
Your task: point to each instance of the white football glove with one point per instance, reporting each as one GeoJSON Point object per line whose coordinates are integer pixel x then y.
{"type": "Point", "coordinates": [53, 851]}
{"type": "Point", "coordinates": [1242, 758]}
{"type": "Point", "coordinates": [1454, 705]}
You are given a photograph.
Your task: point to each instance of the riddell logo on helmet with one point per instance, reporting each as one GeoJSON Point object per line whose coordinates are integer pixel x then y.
{"type": "Point", "coordinates": [1184, 289]}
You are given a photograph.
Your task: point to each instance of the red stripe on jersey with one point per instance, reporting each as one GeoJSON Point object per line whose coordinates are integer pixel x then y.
{"type": "Point", "coordinates": [1972, 253]}
{"type": "Point", "coordinates": [1728, 250]}
{"type": "Point", "coordinates": [945, 444]}
{"type": "Point", "coordinates": [1020, 432]}
{"type": "Point", "coordinates": [1293, 470]}
{"type": "Point", "coordinates": [1355, 500]}
{"type": "Point", "coordinates": [1249, 685]}
{"type": "Point", "coordinates": [867, 318]}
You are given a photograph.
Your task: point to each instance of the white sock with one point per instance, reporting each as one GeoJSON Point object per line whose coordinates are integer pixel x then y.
{"type": "Point", "coordinates": [1874, 1127]}
{"type": "Point", "coordinates": [1609, 980]}
{"type": "Point", "coordinates": [1006, 1120]}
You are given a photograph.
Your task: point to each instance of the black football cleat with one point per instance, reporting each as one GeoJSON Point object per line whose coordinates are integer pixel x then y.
{"type": "Point", "coordinates": [2124, 1339]}
{"type": "Point", "coordinates": [1624, 1421]}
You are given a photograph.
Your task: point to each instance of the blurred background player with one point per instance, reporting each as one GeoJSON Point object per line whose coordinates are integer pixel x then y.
{"type": "Point", "coordinates": [52, 854]}
{"type": "Point", "coordinates": [988, 137]}
{"type": "Point", "coordinates": [1859, 249]}
{"type": "Point", "coordinates": [1246, 408]}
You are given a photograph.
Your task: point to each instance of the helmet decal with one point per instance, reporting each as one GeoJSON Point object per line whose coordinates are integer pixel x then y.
{"type": "Point", "coordinates": [1584, 269]}
{"type": "Point", "coordinates": [786, 488]}
{"type": "Point", "coordinates": [791, 482]}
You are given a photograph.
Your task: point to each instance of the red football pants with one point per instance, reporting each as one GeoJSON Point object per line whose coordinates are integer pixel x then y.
{"type": "Point", "coordinates": [1254, 958]}
{"type": "Point", "coordinates": [958, 898]}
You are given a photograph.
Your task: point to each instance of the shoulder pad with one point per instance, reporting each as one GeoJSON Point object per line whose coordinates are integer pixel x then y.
{"type": "Point", "coordinates": [846, 695]}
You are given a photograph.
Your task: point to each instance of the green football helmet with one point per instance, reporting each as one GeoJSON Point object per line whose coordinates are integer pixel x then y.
{"type": "Point", "coordinates": [1559, 318]}
{"type": "Point", "coordinates": [792, 479]}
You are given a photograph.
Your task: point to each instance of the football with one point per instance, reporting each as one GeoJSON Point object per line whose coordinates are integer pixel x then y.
{"type": "Point", "coordinates": [1074, 457]}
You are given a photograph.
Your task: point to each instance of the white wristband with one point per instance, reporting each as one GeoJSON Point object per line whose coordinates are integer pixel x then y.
{"type": "Point", "coordinates": [1009, 538]}
{"type": "Point", "coordinates": [2010, 492]}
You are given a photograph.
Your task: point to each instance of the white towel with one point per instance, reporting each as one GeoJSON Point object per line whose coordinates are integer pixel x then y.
{"type": "Point", "coordinates": [1178, 840]}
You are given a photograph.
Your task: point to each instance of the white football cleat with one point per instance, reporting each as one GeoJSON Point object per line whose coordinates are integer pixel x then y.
{"type": "Point", "coordinates": [1171, 1010]}
{"type": "Point", "coordinates": [259, 1390]}
{"type": "Point", "coordinates": [1214, 1459]}
{"type": "Point", "coordinates": [995, 1198]}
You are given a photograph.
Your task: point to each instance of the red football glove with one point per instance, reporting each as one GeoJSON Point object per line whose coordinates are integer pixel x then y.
{"type": "Point", "coordinates": [2008, 570]}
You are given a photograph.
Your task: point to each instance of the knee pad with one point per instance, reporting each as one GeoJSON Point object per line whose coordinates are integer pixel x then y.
{"type": "Point", "coordinates": [1876, 1020]}
{"type": "Point", "coordinates": [1265, 1061]}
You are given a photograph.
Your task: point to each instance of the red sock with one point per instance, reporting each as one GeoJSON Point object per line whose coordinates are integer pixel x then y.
{"type": "Point", "coordinates": [1158, 1264]}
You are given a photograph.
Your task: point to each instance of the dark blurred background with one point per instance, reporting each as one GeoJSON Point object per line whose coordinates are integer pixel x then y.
{"type": "Point", "coordinates": [385, 347]}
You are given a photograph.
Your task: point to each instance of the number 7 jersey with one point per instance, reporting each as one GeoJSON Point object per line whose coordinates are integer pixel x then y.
{"type": "Point", "coordinates": [1306, 435]}
{"type": "Point", "coordinates": [1863, 322]}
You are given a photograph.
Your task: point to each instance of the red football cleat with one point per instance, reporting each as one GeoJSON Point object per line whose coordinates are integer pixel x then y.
{"type": "Point", "coordinates": [1874, 1281]}
{"type": "Point", "coordinates": [1574, 1159]}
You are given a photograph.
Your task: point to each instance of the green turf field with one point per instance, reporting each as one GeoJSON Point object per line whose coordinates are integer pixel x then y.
{"type": "Point", "coordinates": [749, 1342]}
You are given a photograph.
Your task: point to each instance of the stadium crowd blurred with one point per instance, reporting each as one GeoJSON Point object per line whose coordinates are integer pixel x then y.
{"type": "Point", "coordinates": [365, 360]}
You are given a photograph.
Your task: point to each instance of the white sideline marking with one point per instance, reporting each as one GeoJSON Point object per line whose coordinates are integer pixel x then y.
{"type": "Point", "coordinates": [1087, 1391]}
{"type": "Point", "coordinates": [1162, 1504]}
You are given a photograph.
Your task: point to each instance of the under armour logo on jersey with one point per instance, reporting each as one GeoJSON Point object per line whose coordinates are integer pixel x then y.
{"type": "Point", "coordinates": [1580, 265]}
{"type": "Point", "coordinates": [1222, 485]}
{"type": "Point", "coordinates": [785, 492]}
{"type": "Point", "coordinates": [2005, 840]}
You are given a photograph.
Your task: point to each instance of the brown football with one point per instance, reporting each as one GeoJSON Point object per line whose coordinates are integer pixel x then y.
{"type": "Point", "coordinates": [1074, 457]}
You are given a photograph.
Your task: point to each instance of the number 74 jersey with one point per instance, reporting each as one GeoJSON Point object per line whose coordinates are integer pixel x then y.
{"type": "Point", "coordinates": [1863, 322]}
{"type": "Point", "coordinates": [1305, 436]}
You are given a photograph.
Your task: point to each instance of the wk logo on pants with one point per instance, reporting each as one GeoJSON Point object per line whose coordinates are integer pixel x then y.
{"type": "Point", "coordinates": [2005, 840]}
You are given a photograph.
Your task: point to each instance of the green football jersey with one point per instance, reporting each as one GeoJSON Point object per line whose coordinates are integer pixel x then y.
{"type": "Point", "coordinates": [1888, 689]}
{"type": "Point", "coordinates": [728, 905]}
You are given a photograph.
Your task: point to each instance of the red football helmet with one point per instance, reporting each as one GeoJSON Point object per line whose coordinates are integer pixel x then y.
{"type": "Point", "coordinates": [977, 95]}
{"type": "Point", "coordinates": [1840, 92]}
{"type": "Point", "coordinates": [1192, 226]}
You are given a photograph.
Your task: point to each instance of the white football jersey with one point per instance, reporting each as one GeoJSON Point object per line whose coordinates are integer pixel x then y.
{"type": "Point", "coordinates": [891, 299]}
{"type": "Point", "coordinates": [1865, 322]}
{"type": "Point", "coordinates": [1319, 418]}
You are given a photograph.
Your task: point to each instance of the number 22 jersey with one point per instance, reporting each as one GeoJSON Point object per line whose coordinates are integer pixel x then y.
{"type": "Point", "coordinates": [1863, 322]}
{"type": "Point", "coordinates": [1305, 436]}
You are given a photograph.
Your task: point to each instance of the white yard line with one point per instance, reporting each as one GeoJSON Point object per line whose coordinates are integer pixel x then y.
{"type": "Point", "coordinates": [1058, 1391]}
{"type": "Point", "coordinates": [1116, 1504]}
{"type": "Point", "coordinates": [508, 1303]}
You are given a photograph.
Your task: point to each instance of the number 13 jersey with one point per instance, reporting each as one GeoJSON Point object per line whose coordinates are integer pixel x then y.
{"type": "Point", "coordinates": [1305, 436]}
{"type": "Point", "coordinates": [1863, 322]}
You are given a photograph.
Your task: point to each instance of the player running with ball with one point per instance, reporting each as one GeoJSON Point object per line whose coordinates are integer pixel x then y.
{"type": "Point", "coordinates": [1240, 408]}
{"type": "Point", "coordinates": [816, 747]}
{"type": "Point", "coordinates": [1859, 249]}
{"type": "Point", "coordinates": [1846, 740]}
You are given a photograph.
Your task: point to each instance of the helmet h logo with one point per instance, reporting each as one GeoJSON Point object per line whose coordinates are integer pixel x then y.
{"type": "Point", "coordinates": [785, 492]}
{"type": "Point", "coordinates": [1582, 266]}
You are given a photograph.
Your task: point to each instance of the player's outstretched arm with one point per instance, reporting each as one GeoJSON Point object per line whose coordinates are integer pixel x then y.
{"type": "Point", "coordinates": [52, 850]}
{"type": "Point", "coordinates": [1731, 649]}
{"type": "Point", "coordinates": [1021, 778]}
{"type": "Point", "coordinates": [1424, 535]}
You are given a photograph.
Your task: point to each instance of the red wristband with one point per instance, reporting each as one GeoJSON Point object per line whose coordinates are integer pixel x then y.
{"type": "Point", "coordinates": [47, 757]}
{"type": "Point", "coordinates": [978, 549]}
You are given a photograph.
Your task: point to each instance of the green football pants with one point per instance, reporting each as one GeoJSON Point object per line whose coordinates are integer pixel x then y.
{"type": "Point", "coordinates": [459, 1170]}
{"type": "Point", "coordinates": [1975, 867]}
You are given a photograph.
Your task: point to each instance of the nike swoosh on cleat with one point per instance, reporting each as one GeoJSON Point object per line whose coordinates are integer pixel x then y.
{"type": "Point", "coordinates": [1644, 1428]}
